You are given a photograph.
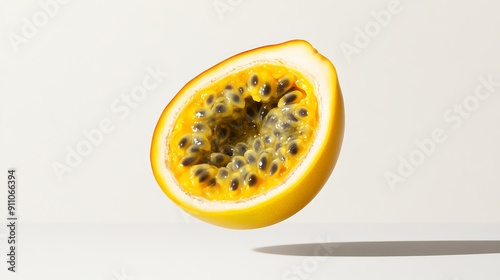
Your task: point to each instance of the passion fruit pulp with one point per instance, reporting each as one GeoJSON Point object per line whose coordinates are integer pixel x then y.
{"type": "Point", "coordinates": [252, 140]}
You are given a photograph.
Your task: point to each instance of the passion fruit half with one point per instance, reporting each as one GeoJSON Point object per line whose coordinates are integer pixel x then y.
{"type": "Point", "coordinates": [250, 141]}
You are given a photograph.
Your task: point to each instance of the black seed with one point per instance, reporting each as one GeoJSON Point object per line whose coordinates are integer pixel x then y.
{"type": "Point", "coordinates": [203, 176]}
{"type": "Point", "coordinates": [267, 139]}
{"type": "Point", "coordinates": [282, 85]}
{"type": "Point", "coordinates": [223, 173]}
{"type": "Point", "coordinates": [293, 149]}
{"type": "Point", "coordinates": [227, 150]}
{"type": "Point", "coordinates": [289, 98]}
{"type": "Point", "coordinates": [201, 113]}
{"type": "Point", "coordinates": [252, 180]}
{"type": "Point", "coordinates": [251, 113]}
{"type": "Point", "coordinates": [242, 148]}
{"type": "Point", "coordinates": [210, 99]}
{"type": "Point", "coordinates": [198, 141]}
{"type": "Point", "coordinates": [220, 108]}
{"type": "Point", "coordinates": [251, 159]}
{"type": "Point", "coordinates": [188, 160]}
{"type": "Point", "coordinates": [219, 158]}
{"type": "Point", "coordinates": [302, 112]}
{"type": "Point", "coordinates": [241, 90]}
{"type": "Point", "coordinates": [194, 149]}
{"type": "Point", "coordinates": [285, 126]}
{"type": "Point", "coordinates": [263, 163]}
{"type": "Point", "coordinates": [234, 184]}
{"type": "Point", "coordinates": [211, 182]}
{"type": "Point", "coordinates": [292, 118]}
{"type": "Point", "coordinates": [235, 98]}
{"type": "Point", "coordinates": [198, 127]}
{"type": "Point", "coordinates": [274, 168]}
{"type": "Point", "coordinates": [229, 87]}
{"type": "Point", "coordinates": [183, 141]}
{"type": "Point", "coordinates": [198, 171]}
{"type": "Point", "coordinates": [238, 163]}
{"type": "Point", "coordinates": [257, 145]}
{"type": "Point", "coordinates": [254, 80]}
{"type": "Point", "coordinates": [277, 133]}
{"type": "Point", "coordinates": [265, 89]}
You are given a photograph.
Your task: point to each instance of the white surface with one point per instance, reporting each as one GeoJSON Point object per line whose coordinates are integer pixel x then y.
{"type": "Point", "coordinates": [73, 71]}
{"type": "Point", "coordinates": [200, 251]}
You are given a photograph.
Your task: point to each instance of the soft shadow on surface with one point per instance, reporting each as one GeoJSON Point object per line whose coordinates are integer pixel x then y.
{"type": "Point", "coordinates": [386, 248]}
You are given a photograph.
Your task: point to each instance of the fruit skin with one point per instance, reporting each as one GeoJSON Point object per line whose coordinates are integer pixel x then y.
{"type": "Point", "coordinates": [283, 202]}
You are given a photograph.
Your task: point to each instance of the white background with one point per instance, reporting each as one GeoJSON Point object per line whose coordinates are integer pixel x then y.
{"type": "Point", "coordinates": [65, 77]}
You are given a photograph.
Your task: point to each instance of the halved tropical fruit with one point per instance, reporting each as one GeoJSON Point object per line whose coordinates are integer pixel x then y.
{"type": "Point", "coordinates": [250, 141]}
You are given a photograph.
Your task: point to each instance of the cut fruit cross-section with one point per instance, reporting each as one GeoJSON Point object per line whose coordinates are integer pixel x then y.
{"type": "Point", "coordinates": [250, 141]}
